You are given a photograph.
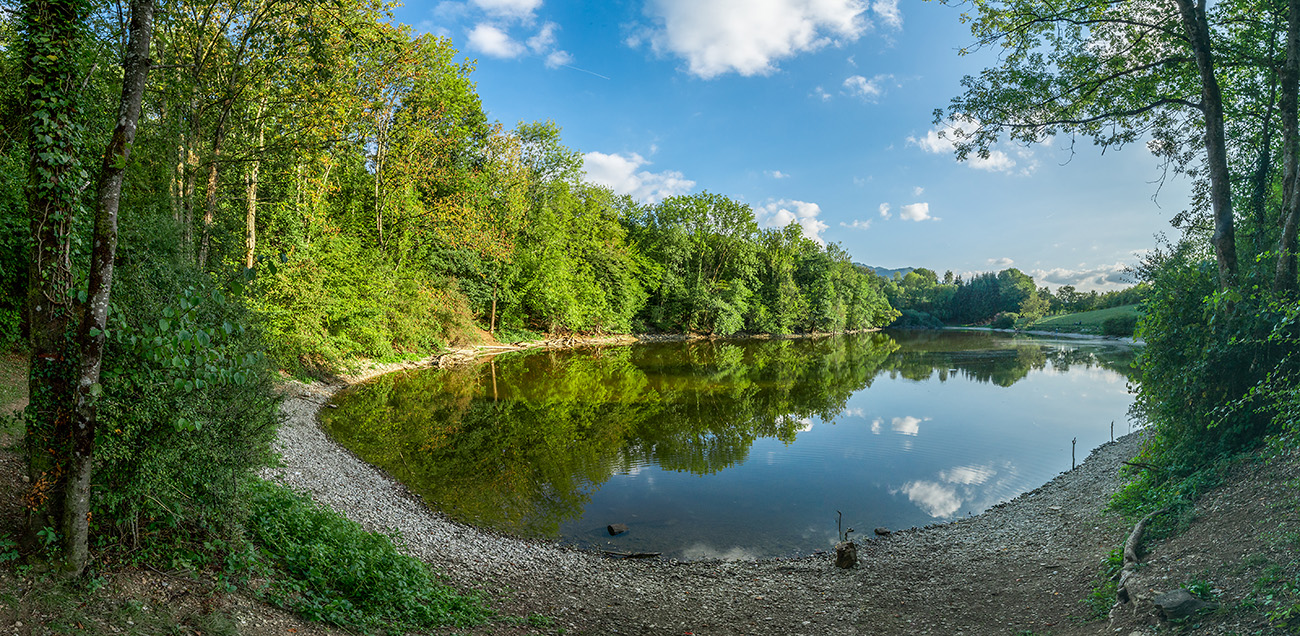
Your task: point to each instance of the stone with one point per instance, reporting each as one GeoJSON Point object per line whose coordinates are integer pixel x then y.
{"type": "Point", "coordinates": [846, 555]}
{"type": "Point", "coordinates": [882, 532]}
{"type": "Point", "coordinates": [616, 529]}
{"type": "Point", "coordinates": [1179, 604]}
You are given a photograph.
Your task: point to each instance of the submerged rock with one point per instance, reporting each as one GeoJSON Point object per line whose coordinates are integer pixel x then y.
{"type": "Point", "coordinates": [616, 529]}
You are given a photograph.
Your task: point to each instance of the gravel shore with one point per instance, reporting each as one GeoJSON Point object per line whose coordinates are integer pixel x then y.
{"type": "Point", "coordinates": [1022, 565]}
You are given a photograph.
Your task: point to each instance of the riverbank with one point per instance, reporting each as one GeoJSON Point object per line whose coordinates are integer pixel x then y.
{"type": "Point", "coordinates": [1022, 566]}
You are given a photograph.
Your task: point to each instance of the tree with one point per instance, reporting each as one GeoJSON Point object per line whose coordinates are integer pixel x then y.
{"type": "Point", "coordinates": [73, 457]}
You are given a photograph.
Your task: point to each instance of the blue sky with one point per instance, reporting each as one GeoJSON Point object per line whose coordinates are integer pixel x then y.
{"type": "Point", "coordinates": [812, 111]}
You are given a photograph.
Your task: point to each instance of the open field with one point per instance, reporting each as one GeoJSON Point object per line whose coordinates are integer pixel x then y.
{"type": "Point", "coordinates": [1083, 322]}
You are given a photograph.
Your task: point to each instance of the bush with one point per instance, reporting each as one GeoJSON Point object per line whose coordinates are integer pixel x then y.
{"type": "Point", "coordinates": [912, 319]}
{"type": "Point", "coordinates": [1005, 320]}
{"type": "Point", "coordinates": [1121, 326]}
{"type": "Point", "coordinates": [329, 569]}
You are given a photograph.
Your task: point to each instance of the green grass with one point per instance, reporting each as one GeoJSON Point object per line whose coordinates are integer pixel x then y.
{"type": "Point", "coordinates": [1083, 322]}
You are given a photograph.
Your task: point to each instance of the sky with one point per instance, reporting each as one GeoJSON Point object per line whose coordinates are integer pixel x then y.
{"type": "Point", "coordinates": [818, 112]}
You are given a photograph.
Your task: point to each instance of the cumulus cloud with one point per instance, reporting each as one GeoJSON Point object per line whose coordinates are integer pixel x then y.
{"type": "Point", "coordinates": [821, 94]}
{"type": "Point", "coordinates": [884, 210]}
{"type": "Point", "coordinates": [623, 174]}
{"type": "Point", "coordinates": [784, 212]}
{"type": "Point", "coordinates": [520, 9]}
{"type": "Point", "coordinates": [556, 59]}
{"type": "Point", "coordinates": [916, 212]}
{"type": "Point", "coordinates": [888, 13]}
{"type": "Point", "coordinates": [868, 89]}
{"type": "Point", "coordinates": [941, 141]}
{"type": "Point", "coordinates": [1102, 277]}
{"type": "Point", "coordinates": [490, 40]}
{"type": "Point", "coordinates": [776, 174]}
{"type": "Point", "coordinates": [918, 191]}
{"type": "Point", "coordinates": [857, 224]}
{"type": "Point", "coordinates": [748, 37]}
{"type": "Point", "coordinates": [1003, 262]}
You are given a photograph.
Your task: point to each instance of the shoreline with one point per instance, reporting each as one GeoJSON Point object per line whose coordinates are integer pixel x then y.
{"type": "Point", "coordinates": [584, 590]}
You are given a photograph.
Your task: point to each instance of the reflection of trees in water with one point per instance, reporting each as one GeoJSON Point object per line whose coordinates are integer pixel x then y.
{"type": "Point", "coordinates": [995, 358]}
{"type": "Point", "coordinates": [518, 443]}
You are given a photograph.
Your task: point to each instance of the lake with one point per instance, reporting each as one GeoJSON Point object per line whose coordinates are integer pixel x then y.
{"type": "Point", "coordinates": [740, 448]}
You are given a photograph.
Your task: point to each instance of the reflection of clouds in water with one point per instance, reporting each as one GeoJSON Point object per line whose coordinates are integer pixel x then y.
{"type": "Point", "coordinates": [804, 424]}
{"type": "Point", "coordinates": [967, 475]}
{"type": "Point", "coordinates": [937, 500]}
{"type": "Point", "coordinates": [907, 425]}
{"type": "Point", "coordinates": [700, 551]}
{"type": "Point", "coordinates": [943, 500]}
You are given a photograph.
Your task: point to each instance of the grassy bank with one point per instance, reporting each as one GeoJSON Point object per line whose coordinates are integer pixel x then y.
{"type": "Point", "coordinates": [1089, 322]}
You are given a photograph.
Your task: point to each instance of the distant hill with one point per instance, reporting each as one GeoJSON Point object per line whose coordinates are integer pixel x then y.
{"type": "Point", "coordinates": [886, 272]}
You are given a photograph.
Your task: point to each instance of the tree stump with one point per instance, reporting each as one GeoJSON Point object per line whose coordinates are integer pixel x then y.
{"type": "Point", "coordinates": [846, 555]}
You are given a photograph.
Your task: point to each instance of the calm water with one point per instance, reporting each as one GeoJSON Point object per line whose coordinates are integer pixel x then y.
{"type": "Point", "coordinates": [740, 449]}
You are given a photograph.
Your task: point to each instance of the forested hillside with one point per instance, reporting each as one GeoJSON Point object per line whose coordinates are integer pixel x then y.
{"type": "Point", "coordinates": [349, 167]}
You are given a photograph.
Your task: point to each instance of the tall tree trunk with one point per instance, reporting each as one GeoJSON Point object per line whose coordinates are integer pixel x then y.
{"type": "Point", "coordinates": [90, 335]}
{"type": "Point", "coordinates": [1224, 238]}
{"type": "Point", "coordinates": [1284, 278]}
{"type": "Point", "coordinates": [52, 36]}
{"type": "Point", "coordinates": [250, 219]}
{"type": "Point", "coordinates": [210, 192]}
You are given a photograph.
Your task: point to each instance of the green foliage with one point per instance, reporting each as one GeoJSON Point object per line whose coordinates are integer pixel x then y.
{"type": "Point", "coordinates": [329, 569]}
{"type": "Point", "coordinates": [912, 319]}
{"type": "Point", "coordinates": [1102, 596]}
{"type": "Point", "coordinates": [1121, 326]}
{"type": "Point", "coordinates": [1088, 321]}
{"type": "Point", "coordinates": [187, 409]}
{"type": "Point", "coordinates": [1005, 320]}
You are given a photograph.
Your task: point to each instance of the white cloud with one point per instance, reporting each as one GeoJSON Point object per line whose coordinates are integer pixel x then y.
{"type": "Point", "coordinates": [749, 36]}
{"type": "Point", "coordinates": [1085, 278]}
{"type": "Point", "coordinates": [857, 224]}
{"type": "Point", "coordinates": [918, 191]}
{"type": "Point", "coordinates": [623, 175]}
{"type": "Point", "coordinates": [544, 40]}
{"type": "Point", "coordinates": [490, 40]}
{"type": "Point", "coordinates": [776, 174]}
{"type": "Point", "coordinates": [822, 94]}
{"type": "Point", "coordinates": [520, 9]}
{"type": "Point", "coordinates": [887, 11]}
{"type": "Point", "coordinates": [916, 212]}
{"type": "Point", "coordinates": [784, 212]}
{"type": "Point", "coordinates": [868, 89]}
{"type": "Point", "coordinates": [884, 210]}
{"type": "Point", "coordinates": [1003, 262]}
{"type": "Point", "coordinates": [940, 141]}
{"type": "Point", "coordinates": [557, 59]}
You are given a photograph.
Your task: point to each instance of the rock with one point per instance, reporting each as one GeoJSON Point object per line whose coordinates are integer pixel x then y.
{"type": "Point", "coordinates": [846, 555]}
{"type": "Point", "coordinates": [616, 529]}
{"type": "Point", "coordinates": [882, 532]}
{"type": "Point", "coordinates": [1180, 604]}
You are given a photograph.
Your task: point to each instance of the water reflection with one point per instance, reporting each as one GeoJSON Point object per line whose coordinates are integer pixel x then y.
{"type": "Point", "coordinates": [523, 443]}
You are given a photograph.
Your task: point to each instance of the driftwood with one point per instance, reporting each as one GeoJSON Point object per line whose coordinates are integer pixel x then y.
{"type": "Point", "coordinates": [1132, 557]}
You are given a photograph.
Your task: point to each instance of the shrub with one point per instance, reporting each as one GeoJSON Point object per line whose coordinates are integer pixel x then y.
{"type": "Point", "coordinates": [1121, 326]}
{"type": "Point", "coordinates": [913, 319]}
{"type": "Point", "coordinates": [1005, 320]}
{"type": "Point", "coordinates": [330, 569]}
